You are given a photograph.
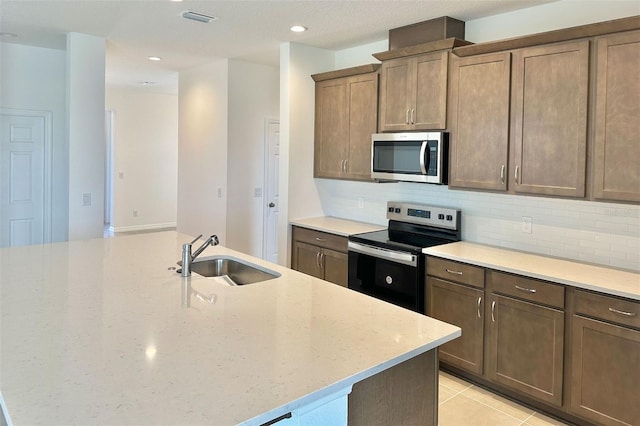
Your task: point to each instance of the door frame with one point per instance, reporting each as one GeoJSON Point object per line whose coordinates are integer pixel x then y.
{"type": "Point", "coordinates": [265, 193]}
{"type": "Point", "coordinates": [47, 172]}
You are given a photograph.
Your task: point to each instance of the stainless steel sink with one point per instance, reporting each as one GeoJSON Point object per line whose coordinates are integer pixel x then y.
{"type": "Point", "coordinates": [233, 270]}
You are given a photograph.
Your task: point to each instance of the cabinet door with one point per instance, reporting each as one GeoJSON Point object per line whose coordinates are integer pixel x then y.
{"type": "Point", "coordinates": [525, 347]}
{"type": "Point", "coordinates": [331, 128]}
{"type": "Point", "coordinates": [461, 306]}
{"type": "Point", "coordinates": [430, 95]}
{"type": "Point", "coordinates": [307, 259]}
{"type": "Point", "coordinates": [549, 119]}
{"type": "Point", "coordinates": [479, 121]}
{"type": "Point", "coordinates": [605, 372]}
{"type": "Point", "coordinates": [396, 87]}
{"type": "Point", "coordinates": [363, 122]}
{"type": "Point", "coordinates": [616, 174]}
{"type": "Point", "coordinates": [335, 267]}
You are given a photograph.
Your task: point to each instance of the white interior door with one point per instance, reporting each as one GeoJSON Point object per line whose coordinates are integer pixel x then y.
{"type": "Point", "coordinates": [272, 163]}
{"type": "Point", "coordinates": [24, 196]}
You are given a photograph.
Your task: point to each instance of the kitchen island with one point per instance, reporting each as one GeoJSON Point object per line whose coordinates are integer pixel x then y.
{"type": "Point", "coordinates": [106, 332]}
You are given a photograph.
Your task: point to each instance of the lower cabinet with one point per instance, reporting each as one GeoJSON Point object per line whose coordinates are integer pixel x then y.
{"type": "Point", "coordinates": [605, 359]}
{"type": "Point", "coordinates": [455, 294]}
{"type": "Point", "coordinates": [320, 254]}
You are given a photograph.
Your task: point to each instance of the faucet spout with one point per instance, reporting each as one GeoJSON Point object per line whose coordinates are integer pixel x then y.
{"type": "Point", "coordinates": [188, 257]}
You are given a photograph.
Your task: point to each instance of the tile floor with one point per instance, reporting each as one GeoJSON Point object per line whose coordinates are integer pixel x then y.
{"type": "Point", "coordinates": [462, 403]}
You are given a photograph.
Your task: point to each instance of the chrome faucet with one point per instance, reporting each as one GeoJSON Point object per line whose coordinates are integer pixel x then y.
{"type": "Point", "coordinates": [188, 258]}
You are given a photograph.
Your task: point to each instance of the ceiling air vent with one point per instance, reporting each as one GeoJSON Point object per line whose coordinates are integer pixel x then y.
{"type": "Point", "coordinates": [200, 17]}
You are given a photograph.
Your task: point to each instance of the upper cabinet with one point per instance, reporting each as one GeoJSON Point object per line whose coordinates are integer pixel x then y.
{"type": "Point", "coordinates": [479, 121]}
{"type": "Point", "coordinates": [550, 88]}
{"type": "Point", "coordinates": [616, 153]}
{"type": "Point", "coordinates": [413, 92]}
{"type": "Point", "coordinates": [346, 115]}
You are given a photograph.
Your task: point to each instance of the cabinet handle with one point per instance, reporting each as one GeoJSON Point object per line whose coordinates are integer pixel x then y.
{"type": "Point", "coordinates": [453, 272]}
{"type": "Point", "coordinates": [318, 260]}
{"type": "Point", "coordinates": [493, 309]}
{"type": "Point", "coordinates": [516, 174]}
{"type": "Point", "coordinates": [407, 116]}
{"type": "Point", "coordinates": [346, 166]}
{"type": "Point", "coordinates": [528, 290]}
{"type": "Point", "coordinates": [626, 314]}
{"type": "Point", "coordinates": [413, 112]}
{"type": "Point", "coordinates": [479, 301]}
{"type": "Point", "coordinates": [502, 174]}
{"type": "Point", "coordinates": [320, 239]}
{"type": "Point", "coordinates": [321, 260]}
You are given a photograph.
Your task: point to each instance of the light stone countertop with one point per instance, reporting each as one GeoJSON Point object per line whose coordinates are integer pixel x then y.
{"type": "Point", "coordinates": [591, 277]}
{"type": "Point", "coordinates": [334, 225]}
{"type": "Point", "coordinates": [102, 332]}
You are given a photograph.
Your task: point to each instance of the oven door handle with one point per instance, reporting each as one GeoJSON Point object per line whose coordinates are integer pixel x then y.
{"type": "Point", "coordinates": [382, 253]}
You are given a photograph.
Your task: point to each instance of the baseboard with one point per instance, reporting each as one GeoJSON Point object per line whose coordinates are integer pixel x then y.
{"type": "Point", "coordinates": [151, 227]}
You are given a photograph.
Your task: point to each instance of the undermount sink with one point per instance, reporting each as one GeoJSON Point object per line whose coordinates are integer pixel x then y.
{"type": "Point", "coordinates": [234, 271]}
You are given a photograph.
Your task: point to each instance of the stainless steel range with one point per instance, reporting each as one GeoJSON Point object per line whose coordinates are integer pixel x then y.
{"type": "Point", "coordinates": [389, 264]}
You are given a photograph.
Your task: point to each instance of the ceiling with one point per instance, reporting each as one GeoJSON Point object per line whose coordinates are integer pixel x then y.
{"type": "Point", "coordinates": [245, 29]}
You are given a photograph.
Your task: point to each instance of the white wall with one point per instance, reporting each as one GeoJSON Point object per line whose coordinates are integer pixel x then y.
{"type": "Point", "coordinates": [602, 233]}
{"type": "Point", "coordinates": [35, 78]}
{"type": "Point", "coordinates": [85, 114]}
{"type": "Point", "coordinates": [202, 150]}
{"type": "Point", "coordinates": [253, 97]}
{"type": "Point", "coordinates": [145, 158]}
{"type": "Point", "coordinates": [298, 193]}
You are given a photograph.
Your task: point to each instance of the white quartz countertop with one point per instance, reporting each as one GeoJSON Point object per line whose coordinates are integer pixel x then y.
{"type": "Point", "coordinates": [102, 332]}
{"type": "Point", "coordinates": [591, 277]}
{"type": "Point", "coordinates": [334, 225]}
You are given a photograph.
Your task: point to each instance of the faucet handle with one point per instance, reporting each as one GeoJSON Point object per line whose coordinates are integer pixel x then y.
{"type": "Point", "coordinates": [196, 239]}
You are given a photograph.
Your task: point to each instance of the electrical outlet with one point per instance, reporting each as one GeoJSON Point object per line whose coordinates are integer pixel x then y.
{"type": "Point", "coordinates": [135, 213]}
{"type": "Point", "coordinates": [219, 192]}
{"type": "Point", "coordinates": [257, 192]}
{"type": "Point", "coordinates": [527, 224]}
{"type": "Point", "coordinates": [361, 203]}
{"type": "Point", "coordinates": [86, 199]}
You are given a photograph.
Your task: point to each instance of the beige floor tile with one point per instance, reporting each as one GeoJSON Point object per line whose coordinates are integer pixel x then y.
{"type": "Point", "coordinates": [445, 393]}
{"type": "Point", "coordinates": [463, 411]}
{"type": "Point", "coordinates": [539, 419]}
{"type": "Point", "coordinates": [497, 402]}
{"type": "Point", "coordinates": [453, 382]}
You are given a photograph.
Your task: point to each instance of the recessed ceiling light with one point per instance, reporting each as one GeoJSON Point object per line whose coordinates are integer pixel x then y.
{"type": "Point", "coordinates": [155, 58]}
{"type": "Point", "coordinates": [200, 17]}
{"type": "Point", "coordinates": [8, 35]}
{"type": "Point", "coordinates": [146, 83]}
{"type": "Point", "coordinates": [298, 29]}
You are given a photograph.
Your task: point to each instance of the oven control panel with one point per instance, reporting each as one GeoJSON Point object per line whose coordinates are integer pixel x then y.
{"type": "Point", "coordinates": [441, 217]}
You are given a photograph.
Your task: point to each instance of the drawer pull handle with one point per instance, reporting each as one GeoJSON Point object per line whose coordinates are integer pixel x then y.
{"type": "Point", "coordinates": [320, 239]}
{"type": "Point", "coordinates": [479, 301]}
{"type": "Point", "coordinates": [493, 309]}
{"type": "Point", "coordinates": [528, 290]}
{"type": "Point", "coordinates": [453, 272]}
{"type": "Point", "coordinates": [626, 314]}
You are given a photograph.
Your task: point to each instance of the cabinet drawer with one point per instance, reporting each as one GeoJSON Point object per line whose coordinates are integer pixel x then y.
{"type": "Point", "coordinates": [607, 308]}
{"type": "Point", "coordinates": [322, 239]}
{"type": "Point", "coordinates": [526, 288]}
{"type": "Point", "coordinates": [455, 271]}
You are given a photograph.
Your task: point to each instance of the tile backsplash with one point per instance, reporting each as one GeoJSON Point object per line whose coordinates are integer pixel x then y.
{"type": "Point", "coordinates": [601, 233]}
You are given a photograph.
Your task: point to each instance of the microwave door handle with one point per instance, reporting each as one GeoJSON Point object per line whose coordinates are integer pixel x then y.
{"type": "Point", "coordinates": [423, 158]}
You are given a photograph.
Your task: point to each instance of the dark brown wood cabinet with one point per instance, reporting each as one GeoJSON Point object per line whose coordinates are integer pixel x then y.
{"type": "Point", "coordinates": [413, 92]}
{"type": "Point", "coordinates": [346, 114]}
{"type": "Point", "coordinates": [605, 359]}
{"type": "Point", "coordinates": [320, 254]}
{"type": "Point", "coordinates": [525, 335]}
{"type": "Point", "coordinates": [549, 106]}
{"type": "Point", "coordinates": [616, 154]}
{"type": "Point", "coordinates": [479, 121]}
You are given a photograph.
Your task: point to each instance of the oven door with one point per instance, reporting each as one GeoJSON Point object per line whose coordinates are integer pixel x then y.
{"type": "Point", "coordinates": [389, 275]}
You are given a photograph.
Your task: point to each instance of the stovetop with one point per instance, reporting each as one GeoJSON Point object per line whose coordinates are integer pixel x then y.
{"type": "Point", "coordinates": [413, 227]}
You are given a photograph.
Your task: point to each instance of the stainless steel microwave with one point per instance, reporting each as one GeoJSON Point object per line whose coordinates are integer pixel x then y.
{"type": "Point", "coordinates": [411, 157]}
